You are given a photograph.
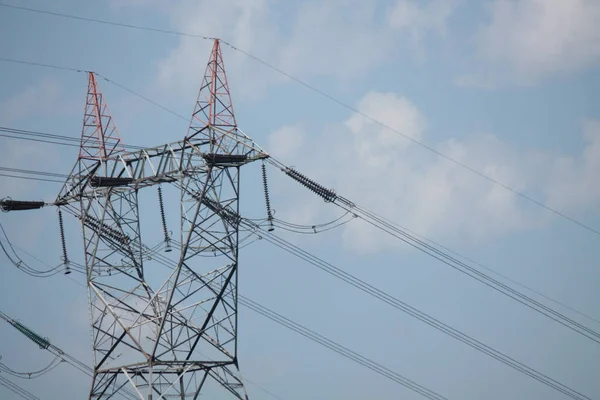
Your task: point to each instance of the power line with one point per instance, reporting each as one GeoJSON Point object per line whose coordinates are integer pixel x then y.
{"type": "Point", "coordinates": [60, 67]}
{"type": "Point", "coordinates": [415, 313]}
{"type": "Point", "coordinates": [399, 305]}
{"type": "Point", "coordinates": [336, 347]}
{"type": "Point", "coordinates": [31, 178]}
{"type": "Point", "coordinates": [144, 98]}
{"type": "Point", "coordinates": [81, 269]}
{"type": "Point", "coordinates": [412, 139]}
{"type": "Point", "coordinates": [56, 361]}
{"type": "Point", "coordinates": [431, 321]}
{"type": "Point", "coordinates": [434, 252]}
{"type": "Point", "coordinates": [161, 259]}
{"type": "Point", "coordinates": [480, 276]}
{"type": "Point", "coordinates": [298, 228]}
{"type": "Point", "coordinates": [38, 64]}
{"type": "Point", "coordinates": [113, 23]}
{"type": "Point", "coordinates": [468, 259]}
{"type": "Point", "coordinates": [312, 335]}
{"type": "Point", "coordinates": [40, 140]}
{"type": "Point", "coordinates": [13, 387]}
{"type": "Point", "coordinates": [10, 250]}
{"type": "Point", "coordinates": [444, 328]}
{"type": "Point", "coordinates": [28, 171]}
{"type": "Point", "coordinates": [50, 138]}
{"type": "Point", "coordinates": [57, 352]}
{"type": "Point", "coordinates": [45, 176]}
{"type": "Point", "coordinates": [319, 92]}
{"type": "Point", "coordinates": [38, 133]}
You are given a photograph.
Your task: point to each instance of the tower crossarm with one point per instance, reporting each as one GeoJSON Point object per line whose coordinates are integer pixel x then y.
{"type": "Point", "coordinates": [151, 166]}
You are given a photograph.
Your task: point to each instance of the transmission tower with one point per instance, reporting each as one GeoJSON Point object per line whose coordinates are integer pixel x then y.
{"type": "Point", "coordinates": [178, 337]}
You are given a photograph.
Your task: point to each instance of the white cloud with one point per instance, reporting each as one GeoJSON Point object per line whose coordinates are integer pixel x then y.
{"type": "Point", "coordinates": [426, 193]}
{"type": "Point", "coordinates": [397, 113]}
{"type": "Point", "coordinates": [43, 98]}
{"type": "Point", "coordinates": [244, 23]}
{"type": "Point", "coordinates": [420, 18]}
{"type": "Point", "coordinates": [532, 39]}
{"type": "Point", "coordinates": [286, 141]}
{"type": "Point", "coordinates": [25, 155]}
{"type": "Point", "coordinates": [572, 182]}
{"type": "Point", "coordinates": [321, 38]}
{"type": "Point", "coordinates": [338, 39]}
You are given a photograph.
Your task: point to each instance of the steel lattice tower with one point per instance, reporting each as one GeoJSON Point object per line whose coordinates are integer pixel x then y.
{"type": "Point", "coordinates": [178, 338]}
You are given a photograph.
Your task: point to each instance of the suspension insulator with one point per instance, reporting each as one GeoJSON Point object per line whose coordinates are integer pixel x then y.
{"type": "Point", "coordinates": [104, 230]}
{"type": "Point", "coordinates": [107, 181]}
{"type": "Point", "coordinates": [43, 343]}
{"type": "Point", "coordinates": [161, 204]}
{"type": "Point", "coordinates": [224, 212]}
{"type": "Point", "coordinates": [225, 160]}
{"type": "Point", "coordinates": [267, 200]}
{"type": "Point", "coordinates": [63, 242]}
{"type": "Point", "coordinates": [327, 194]}
{"type": "Point", "coordinates": [20, 205]}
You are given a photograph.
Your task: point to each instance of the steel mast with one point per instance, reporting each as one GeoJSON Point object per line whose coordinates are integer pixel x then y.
{"type": "Point", "coordinates": [177, 338]}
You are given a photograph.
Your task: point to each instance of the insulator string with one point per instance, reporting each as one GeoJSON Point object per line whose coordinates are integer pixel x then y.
{"type": "Point", "coordinates": [267, 199]}
{"type": "Point", "coordinates": [161, 205]}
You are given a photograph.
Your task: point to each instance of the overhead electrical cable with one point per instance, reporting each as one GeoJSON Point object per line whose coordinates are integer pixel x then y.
{"type": "Point", "coordinates": [252, 226]}
{"type": "Point", "coordinates": [33, 374]}
{"type": "Point", "coordinates": [38, 64]}
{"type": "Point", "coordinates": [10, 250]}
{"type": "Point", "coordinates": [313, 89]}
{"type": "Point", "coordinates": [439, 254]}
{"type": "Point", "coordinates": [113, 23]}
{"type": "Point", "coordinates": [28, 171]}
{"type": "Point", "coordinates": [398, 304]}
{"type": "Point", "coordinates": [312, 335]}
{"type": "Point", "coordinates": [415, 313]}
{"type": "Point", "coordinates": [48, 137]}
{"type": "Point", "coordinates": [367, 217]}
{"type": "Point", "coordinates": [31, 178]}
{"type": "Point", "coordinates": [363, 210]}
{"type": "Point", "coordinates": [351, 205]}
{"type": "Point", "coordinates": [45, 344]}
{"type": "Point", "coordinates": [493, 271]}
{"type": "Point", "coordinates": [142, 97]}
{"type": "Point", "coordinates": [305, 228]}
{"type": "Point", "coordinates": [160, 258]}
{"type": "Point", "coordinates": [487, 280]}
{"type": "Point", "coordinates": [315, 228]}
{"type": "Point", "coordinates": [18, 390]}
{"type": "Point", "coordinates": [81, 366]}
{"type": "Point", "coordinates": [40, 141]}
{"type": "Point", "coordinates": [336, 347]}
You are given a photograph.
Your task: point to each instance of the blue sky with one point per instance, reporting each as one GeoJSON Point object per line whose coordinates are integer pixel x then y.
{"type": "Point", "coordinates": [509, 88]}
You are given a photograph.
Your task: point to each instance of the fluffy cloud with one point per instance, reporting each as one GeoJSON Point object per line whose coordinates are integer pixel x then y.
{"type": "Point", "coordinates": [572, 182]}
{"type": "Point", "coordinates": [286, 141]}
{"type": "Point", "coordinates": [338, 39]}
{"type": "Point", "coordinates": [43, 98]}
{"type": "Point", "coordinates": [532, 39]}
{"type": "Point", "coordinates": [247, 24]}
{"type": "Point", "coordinates": [12, 154]}
{"type": "Point", "coordinates": [419, 19]}
{"type": "Point", "coordinates": [391, 175]}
